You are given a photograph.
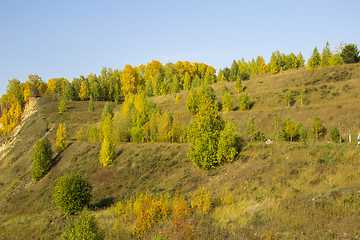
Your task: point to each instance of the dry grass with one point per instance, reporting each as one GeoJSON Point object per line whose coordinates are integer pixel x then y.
{"type": "Point", "coordinates": [281, 190]}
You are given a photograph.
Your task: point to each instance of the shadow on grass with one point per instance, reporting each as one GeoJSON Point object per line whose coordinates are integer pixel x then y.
{"type": "Point", "coordinates": [103, 203]}
{"type": "Point", "coordinates": [58, 157]}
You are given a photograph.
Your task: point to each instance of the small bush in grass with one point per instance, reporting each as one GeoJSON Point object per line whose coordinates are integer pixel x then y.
{"type": "Point", "coordinates": [85, 227]}
{"type": "Point", "coordinates": [335, 135]}
{"type": "Point", "coordinates": [72, 193]}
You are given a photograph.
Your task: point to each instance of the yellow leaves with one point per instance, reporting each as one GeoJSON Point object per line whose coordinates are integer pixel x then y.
{"type": "Point", "coordinates": [227, 198]}
{"type": "Point", "coordinates": [61, 138]}
{"type": "Point", "coordinates": [202, 202]}
{"type": "Point", "coordinates": [129, 80]}
{"type": "Point", "coordinates": [11, 118]}
{"type": "Point", "coordinates": [84, 91]}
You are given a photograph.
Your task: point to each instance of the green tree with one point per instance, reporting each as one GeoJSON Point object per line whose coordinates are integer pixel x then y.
{"type": "Point", "coordinates": [62, 106]}
{"type": "Point", "coordinates": [350, 54]}
{"type": "Point", "coordinates": [227, 102]}
{"type": "Point", "coordinates": [289, 97]}
{"type": "Point", "coordinates": [85, 227]}
{"type": "Point", "coordinates": [251, 129]}
{"type": "Point", "coordinates": [42, 159]}
{"type": "Point", "coordinates": [233, 71]}
{"type": "Point", "coordinates": [229, 144]}
{"type": "Point", "coordinates": [315, 59]}
{"type": "Point", "coordinates": [335, 135]}
{"type": "Point", "coordinates": [238, 84]}
{"type": "Point", "coordinates": [244, 101]}
{"type": "Point", "coordinates": [91, 107]}
{"type": "Point", "coordinates": [15, 91]}
{"type": "Point", "coordinates": [192, 102]}
{"type": "Point", "coordinates": [277, 125]}
{"type": "Point", "coordinates": [72, 193]}
{"type": "Point", "coordinates": [204, 135]}
{"type": "Point", "coordinates": [326, 55]}
{"type": "Point", "coordinates": [302, 96]}
{"type": "Point", "coordinates": [61, 138]}
{"type": "Point", "coordinates": [303, 133]}
{"type": "Point", "coordinates": [317, 127]}
{"type": "Point", "coordinates": [108, 109]}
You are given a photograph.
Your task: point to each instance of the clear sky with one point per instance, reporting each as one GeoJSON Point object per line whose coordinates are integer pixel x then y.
{"type": "Point", "coordinates": [69, 38]}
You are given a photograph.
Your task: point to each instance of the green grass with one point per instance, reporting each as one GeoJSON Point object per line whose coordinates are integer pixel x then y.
{"type": "Point", "coordinates": [280, 190]}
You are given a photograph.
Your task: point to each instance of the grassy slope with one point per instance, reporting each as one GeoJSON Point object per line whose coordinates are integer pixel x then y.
{"type": "Point", "coordinates": [289, 190]}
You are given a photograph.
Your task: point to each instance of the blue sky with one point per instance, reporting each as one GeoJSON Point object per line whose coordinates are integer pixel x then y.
{"type": "Point", "coordinates": [54, 38]}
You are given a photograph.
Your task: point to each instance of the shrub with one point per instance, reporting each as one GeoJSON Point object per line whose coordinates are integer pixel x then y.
{"type": "Point", "coordinates": [227, 102]}
{"type": "Point", "coordinates": [244, 76]}
{"type": "Point", "coordinates": [42, 159]}
{"type": "Point", "coordinates": [85, 227]}
{"type": "Point", "coordinates": [244, 101]}
{"type": "Point", "coordinates": [335, 134]}
{"type": "Point", "coordinates": [228, 144]}
{"type": "Point", "coordinates": [62, 107]}
{"type": "Point", "coordinates": [72, 193]}
{"type": "Point", "coordinates": [317, 127]}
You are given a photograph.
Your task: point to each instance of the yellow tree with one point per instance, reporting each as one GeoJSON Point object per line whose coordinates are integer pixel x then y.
{"type": "Point", "coordinates": [84, 91]}
{"type": "Point", "coordinates": [129, 80]}
{"type": "Point", "coordinates": [61, 138]}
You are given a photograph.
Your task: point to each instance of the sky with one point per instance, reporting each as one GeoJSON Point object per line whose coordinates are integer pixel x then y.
{"type": "Point", "coordinates": [67, 38]}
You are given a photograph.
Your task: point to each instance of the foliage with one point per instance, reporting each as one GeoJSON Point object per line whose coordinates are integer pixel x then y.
{"type": "Point", "coordinates": [317, 127]}
{"type": "Point", "coordinates": [107, 152]}
{"type": "Point", "coordinates": [229, 144]}
{"type": "Point", "coordinates": [192, 102]}
{"type": "Point", "coordinates": [85, 227]}
{"type": "Point", "coordinates": [42, 159]}
{"type": "Point", "coordinates": [238, 85]}
{"type": "Point", "coordinates": [108, 110]}
{"type": "Point", "coordinates": [91, 107]}
{"type": "Point", "coordinates": [84, 91]}
{"type": "Point", "coordinates": [227, 102]}
{"type": "Point", "coordinates": [315, 59]}
{"type": "Point", "coordinates": [244, 100]}
{"type": "Point", "coordinates": [335, 134]}
{"type": "Point", "coordinates": [290, 131]}
{"type": "Point", "coordinates": [80, 135]}
{"type": "Point", "coordinates": [92, 134]}
{"type": "Point", "coordinates": [72, 193]}
{"type": "Point", "coordinates": [350, 54]}
{"type": "Point", "coordinates": [61, 138]}
{"type": "Point", "coordinates": [204, 134]}
{"type": "Point", "coordinates": [62, 106]}
{"type": "Point", "coordinates": [202, 202]}
{"type": "Point", "coordinates": [303, 133]}
{"type": "Point", "coordinates": [289, 97]}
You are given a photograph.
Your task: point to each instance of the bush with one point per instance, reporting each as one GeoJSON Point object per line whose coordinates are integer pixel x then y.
{"type": "Point", "coordinates": [85, 227]}
{"type": "Point", "coordinates": [62, 106]}
{"type": "Point", "coordinates": [244, 101]}
{"type": "Point", "coordinates": [244, 76]}
{"type": "Point", "coordinates": [42, 159]}
{"type": "Point", "coordinates": [335, 134]}
{"type": "Point", "coordinates": [61, 138]}
{"type": "Point", "coordinates": [72, 193]}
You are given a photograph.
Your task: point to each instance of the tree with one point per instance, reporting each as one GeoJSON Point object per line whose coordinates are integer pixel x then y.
{"type": "Point", "coordinates": [289, 130]}
{"type": "Point", "coordinates": [204, 135]}
{"type": "Point", "coordinates": [106, 152]}
{"type": "Point", "coordinates": [228, 147]}
{"type": "Point", "coordinates": [238, 84]}
{"type": "Point", "coordinates": [302, 96]}
{"type": "Point", "coordinates": [227, 102]}
{"type": "Point", "coordinates": [108, 110]}
{"type": "Point", "coordinates": [72, 193]}
{"type": "Point", "coordinates": [84, 91]}
{"type": "Point", "coordinates": [289, 97]}
{"type": "Point", "coordinates": [62, 106]}
{"type": "Point", "coordinates": [42, 159]}
{"type": "Point", "coordinates": [350, 54]}
{"type": "Point", "coordinates": [192, 102]}
{"type": "Point", "coordinates": [91, 107]}
{"type": "Point", "coordinates": [233, 71]}
{"type": "Point", "coordinates": [315, 59]}
{"type": "Point", "coordinates": [85, 227]}
{"type": "Point", "coordinates": [15, 91]}
{"type": "Point", "coordinates": [317, 127]}
{"type": "Point", "coordinates": [326, 56]}
{"type": "Point", "coordinates": [244, 101]}
{"type": "Point", "coordinates": [251, 129]}
{"type": "Point", "coordinates": [61, 138]}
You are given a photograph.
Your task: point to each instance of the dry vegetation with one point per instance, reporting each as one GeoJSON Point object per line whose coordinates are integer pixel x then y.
{"type": "Point", "coordinates": [276, 191]}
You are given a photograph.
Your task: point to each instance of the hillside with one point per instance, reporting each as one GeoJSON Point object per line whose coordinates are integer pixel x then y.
{"type": "Point", "coordinates": [283, 190]}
